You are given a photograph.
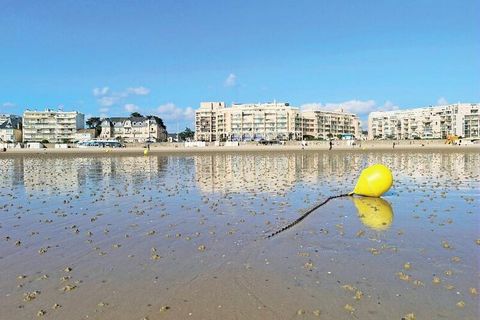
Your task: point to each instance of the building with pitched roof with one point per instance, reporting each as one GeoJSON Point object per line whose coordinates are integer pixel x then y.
{"type": "Point", "coordinates": [10, 128]}
{"type": "Point", "coordinates": [134, 129]}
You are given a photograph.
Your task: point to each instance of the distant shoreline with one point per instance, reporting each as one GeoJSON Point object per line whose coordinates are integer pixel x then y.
{"type": "Point", "coordinates": [366, 146]}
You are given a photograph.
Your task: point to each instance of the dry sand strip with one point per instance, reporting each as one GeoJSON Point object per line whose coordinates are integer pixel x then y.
{"type": "Point", "coordinates": [365, 147]}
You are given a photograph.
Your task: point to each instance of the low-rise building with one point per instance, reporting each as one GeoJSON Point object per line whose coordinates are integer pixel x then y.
{"type": "Point", "coordinates": [10, 128]}
{"type": "Point", "coordinates": [85, 134]}
{"type": "Point", "coordinates": [52, 126]}
{"type": "Point", "coordinates": [434, 122]}
{"type": "Point", "coordinates": [134, 129]}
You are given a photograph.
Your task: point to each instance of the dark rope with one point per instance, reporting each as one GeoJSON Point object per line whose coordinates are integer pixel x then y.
{"type": "Point", "coordinates": [303, 216]}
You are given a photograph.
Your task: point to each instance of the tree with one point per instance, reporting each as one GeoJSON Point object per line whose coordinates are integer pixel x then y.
{"type": "Point", "coordinates": [186, 134]}
{"type": "Point", "coordinates": [159, 121]}
{"type": "Point", "coordinates": [136, 115]}
{"type": "Point", "coordinates": [93, 122]}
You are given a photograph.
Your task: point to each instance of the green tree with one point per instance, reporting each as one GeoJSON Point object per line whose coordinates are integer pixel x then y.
{"type": "Point", "coordinates": [93, 122]}
{"type": "Point", "coordinates": [186, 134]}
{"type": "Point", "coordinates": [159, 121]}
{"type": "Point", "coordinates": [136, 115]}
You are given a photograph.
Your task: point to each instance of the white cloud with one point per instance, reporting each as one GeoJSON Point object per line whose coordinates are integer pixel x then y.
{"type": "Point", "coordinates": [231, 80]}
{"type": "Point", "coordinates": [8, 105]}
{"type": "Point", "coordinates": [104, 110]}
{"type": "Point", "coordinates": [169, 111]}
{"type": "Point", "coordinates": [359, 107]}
{"type": "Point", "coordinates": [98, 92]}
{"type": "Point", "coordinates": [140, 91]}
{"type": "Point", "coordinates": [442, 101]}
{"type": "Point", "coordinates": [108, 101]}
{"type": "Point", "coordinates": [107, 98]}
{"type": "Point", "coordinates": [130, 107]}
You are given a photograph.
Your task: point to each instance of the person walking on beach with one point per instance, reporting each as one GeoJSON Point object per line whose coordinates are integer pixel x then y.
{"type": "Point", "coordinates": [393, 147]}
{"type": "Point", "coordinates": [331, 145]}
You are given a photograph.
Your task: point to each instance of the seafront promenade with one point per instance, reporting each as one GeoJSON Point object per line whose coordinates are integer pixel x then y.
{"type": "Point", "coordinates": [167, 148]}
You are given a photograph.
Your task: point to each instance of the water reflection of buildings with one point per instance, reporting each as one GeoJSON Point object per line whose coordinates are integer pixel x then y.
{"type": "Point", "coordinates": [11, 172]}
{"type": "Point", "coordinates": [275, 172]}
{"type": "Point", "coordinates": [272, 172]}
{"type": "Point", "coordinates": [53, 175]}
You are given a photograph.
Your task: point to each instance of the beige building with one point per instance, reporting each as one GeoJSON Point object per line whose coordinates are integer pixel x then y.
{"type": "Point", "coordinates": [134, 129]}
{"type": "Point", "coordinates": [326, 125]}
{"type": "Point", "coordinates": [10, 128]}
{"type": "Point", "coordinates": [206, 121]}
{"type": "Point", "coordinates": [435, 122]}
{"type": "Point", "coordinates": [269, 121]}
{"type": "Point", "coordinates": [52, 126]}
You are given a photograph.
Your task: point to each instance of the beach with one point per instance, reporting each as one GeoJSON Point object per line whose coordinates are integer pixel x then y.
{"type": "Point", "coordinates": [180, 233]}
{"type": "Point", "coordinates": [175, 148]}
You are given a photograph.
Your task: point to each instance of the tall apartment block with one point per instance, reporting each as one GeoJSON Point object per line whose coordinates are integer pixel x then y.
{"type": "Point", "coordinates": [325, 125]}
{"type": "Point", "coordinates": [52, 126]}
{"type": "Point", "coordinates": [434, 122]}
{"type": "Point", "coordinates": [206, 121]}
{"type": "Point", "coordinates": [214, 122]}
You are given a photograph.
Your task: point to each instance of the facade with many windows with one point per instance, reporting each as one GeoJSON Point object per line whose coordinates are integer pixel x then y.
{"type": "Point", "coordinates": [134, 129]}
{"type": "Point", "coordinates": [269, 121]}
{"type": "Point", "coordinates": [247, 122]}
{"type": "Point", "coordinates": [206, 118]}
{"type": "Point", "coordinates": [52, 126]}
{"type": "Point", "coordinates": [434, 122]}
{"type": "Point", "coordinates": [326, 125]}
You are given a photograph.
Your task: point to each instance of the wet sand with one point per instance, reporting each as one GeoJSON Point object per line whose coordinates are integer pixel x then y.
{"type": "Point", "coordinates": [182, 236]}
{"type": "Point", "coordinates": [312, 146]}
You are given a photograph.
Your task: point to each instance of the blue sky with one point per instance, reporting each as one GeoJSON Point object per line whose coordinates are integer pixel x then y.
{"type": "Point", "coordinates": [108, 58]}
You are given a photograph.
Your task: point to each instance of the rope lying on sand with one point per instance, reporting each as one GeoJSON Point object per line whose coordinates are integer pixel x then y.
{"type": "Point", "coordinates": [303, 216]}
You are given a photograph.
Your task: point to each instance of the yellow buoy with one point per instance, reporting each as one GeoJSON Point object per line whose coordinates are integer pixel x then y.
{"type": "Point", "coordinates": [375, 213]}
{"type": "Point", "coordinates": [145, 152]}
{"type": "Point", "coordinates": [374, 181]}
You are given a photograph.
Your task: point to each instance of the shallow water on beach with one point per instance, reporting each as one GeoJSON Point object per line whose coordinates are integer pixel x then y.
{"type": "Point", "coordinates": [183, 237]}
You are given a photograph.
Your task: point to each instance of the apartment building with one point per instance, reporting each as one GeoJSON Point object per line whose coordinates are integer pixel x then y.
{"type": "Point", "coordinates": [52, 126]}
{"type": "Point", "coordinates": [269, 121]}
{"type": "Point", "coordinates": [206, 121]}
{"type": "Point", "coordinates": [326, 125]}
{"type": "Point", "coordinates": [216, 122]}
{"type": "Point", "coordinates": [434, 122]}
{"type": "Point", "coordinates": [134, 129]}
{"type": "Point", "coordinates": [10, 128]}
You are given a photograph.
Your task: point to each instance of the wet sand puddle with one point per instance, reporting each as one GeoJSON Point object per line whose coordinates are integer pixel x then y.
{"type": "Point", "coordinates": [182, 237]}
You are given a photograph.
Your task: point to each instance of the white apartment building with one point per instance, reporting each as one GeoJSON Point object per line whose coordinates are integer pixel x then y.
{"type": "Point", "coordinates": [434, 122]}
{"type": "Point", "coordinates": [326, 125]}
{"type": "Point", "coordinates": [52, 126]}
{"type": "Point", "coordinates": [206, 121]}
{"type": "Point", "coordinates": [10, 128]}
{"type": "Point", "coordinates": [269, 121]}
{"type": "Point", "coordinates": [134, 129]}
{"type": "Point", "coordinates": [215, 122]}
